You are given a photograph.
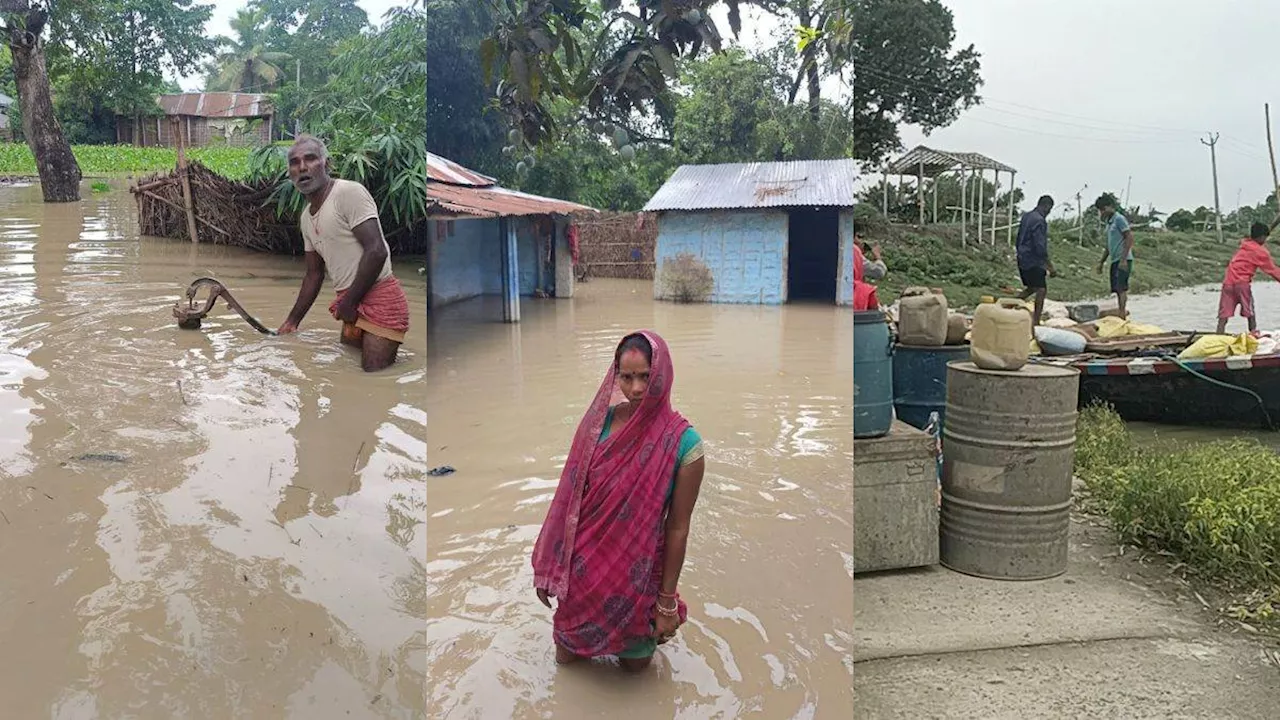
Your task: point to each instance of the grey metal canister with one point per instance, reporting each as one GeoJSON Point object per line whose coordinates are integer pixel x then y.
{"type": "Point", "coordinates": [1008, 449]}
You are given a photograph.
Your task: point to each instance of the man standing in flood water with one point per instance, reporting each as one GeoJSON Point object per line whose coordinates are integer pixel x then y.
{"type": "Point", "coordinates": [343, 237]}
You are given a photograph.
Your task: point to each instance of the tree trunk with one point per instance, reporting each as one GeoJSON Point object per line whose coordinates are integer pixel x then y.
{"type": "Point", "coordinates": [809, 71]}
{"type": "Point", "coordinates": [809, 65]}
{"type": "Point", "coordinates": [815, 84]}
{"type": "Point", "coordinates": [59, 172]}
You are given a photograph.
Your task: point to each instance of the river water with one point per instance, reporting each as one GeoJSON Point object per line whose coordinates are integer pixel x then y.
{"type": "Point", "coordinates": [206, 524]}
{"type": "Point", "coordinates": [768, 576]}
{"type": "Point", "coordinates": [1196, 308]}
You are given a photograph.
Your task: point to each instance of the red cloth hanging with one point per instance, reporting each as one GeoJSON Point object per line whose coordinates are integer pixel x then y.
{"type": "Point", "coordinates": [572, 234]}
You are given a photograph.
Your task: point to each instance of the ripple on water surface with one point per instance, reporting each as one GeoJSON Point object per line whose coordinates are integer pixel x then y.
{"type": "Point", "coordinates": [215, 523]}
{"type": "Point", "coordinates": [766, 574]}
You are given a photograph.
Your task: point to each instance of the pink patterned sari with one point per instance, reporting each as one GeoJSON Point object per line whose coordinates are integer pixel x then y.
{"type": "Point", "coordinates": [601, 546]}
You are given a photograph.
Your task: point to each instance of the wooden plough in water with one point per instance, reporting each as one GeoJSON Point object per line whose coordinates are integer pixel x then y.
{"type": "Point", "coordinates": [190, 314]}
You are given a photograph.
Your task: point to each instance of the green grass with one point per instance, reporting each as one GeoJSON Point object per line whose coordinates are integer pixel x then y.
{"type": "Point", "coordinates": [1214, 506]}
{"type": "Point", "coordinates": [934, 257]}
{"type": "Point", "coordinates": [107, 160]}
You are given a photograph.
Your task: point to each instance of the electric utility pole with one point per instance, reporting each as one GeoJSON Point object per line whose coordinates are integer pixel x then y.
{"type": "Point", "coordinates": [1213, 157]}
{"type": "Point", "coordinates": [1080, 215]}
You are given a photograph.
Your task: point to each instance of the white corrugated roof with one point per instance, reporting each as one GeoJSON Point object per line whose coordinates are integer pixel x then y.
{"type": "Point", "coordinates": [758, 185]}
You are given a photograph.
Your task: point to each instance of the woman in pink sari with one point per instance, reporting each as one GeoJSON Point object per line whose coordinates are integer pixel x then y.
{"type": "Point", "coordinates": [613, 543]}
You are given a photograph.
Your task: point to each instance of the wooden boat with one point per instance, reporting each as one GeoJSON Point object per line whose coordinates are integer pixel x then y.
{"type": "Point", "coordinates": [1237, 392]}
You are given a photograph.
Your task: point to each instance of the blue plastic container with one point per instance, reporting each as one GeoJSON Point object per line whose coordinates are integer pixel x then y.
{"type": "Point", "coordinates": [920, 381]}
{"type": "Point", "coordinates": [872, 375]}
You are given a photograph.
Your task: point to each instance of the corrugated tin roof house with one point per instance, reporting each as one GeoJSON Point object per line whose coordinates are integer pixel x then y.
{"type": "Point", "coordinates": [203, 119]}
{"type": "Point", "coordinates": [769, 233]}
{"type": "Point", "coordinates": [485, 239]}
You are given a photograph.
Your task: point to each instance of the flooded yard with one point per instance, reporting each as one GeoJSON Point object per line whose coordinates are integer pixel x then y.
{"type": "Point", "coordinates": [768, 575]}
{"type": "Point", "coordinates": [206, 524]}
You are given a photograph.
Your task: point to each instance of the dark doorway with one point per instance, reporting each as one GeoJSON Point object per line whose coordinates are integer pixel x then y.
{"type": "Point", "coordinates": [813, 255]}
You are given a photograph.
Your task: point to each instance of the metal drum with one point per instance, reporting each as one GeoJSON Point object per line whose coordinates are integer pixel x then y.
{"type": "Point", "coordinates": [920, 381]}
{"type": "Point", "coordinates": [872, 375]}
{"type": "Point", "coordinates": [1008, 449]}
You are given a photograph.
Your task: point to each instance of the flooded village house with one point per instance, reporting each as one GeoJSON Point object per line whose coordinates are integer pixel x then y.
{"type": "Point", "coordinates": [203, 119]}
{"type": "Point", "coordinates": [770, 233]}
{"type": "Point", "coordinates": [483, 239]}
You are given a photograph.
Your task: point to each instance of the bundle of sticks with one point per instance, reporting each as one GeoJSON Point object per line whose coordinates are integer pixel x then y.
{"type": "Point", "coordinates": [225, 212]}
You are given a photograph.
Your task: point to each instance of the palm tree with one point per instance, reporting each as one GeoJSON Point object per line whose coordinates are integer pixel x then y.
{"type": "Point", "coordinates": [248, 65]}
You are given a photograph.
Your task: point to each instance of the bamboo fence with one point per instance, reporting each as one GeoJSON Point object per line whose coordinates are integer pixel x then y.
{"type": "Point", "coordinates": [618, 245]}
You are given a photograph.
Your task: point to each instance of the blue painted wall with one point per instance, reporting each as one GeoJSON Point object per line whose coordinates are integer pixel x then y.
{"type": "Point", "coordinates": [527, 242]}
{"type": "Point", "coordinates": [468, 263]}
{"type": "Point", "coordinates": [465, 263]}
{"type": "Point", "coordinates": [844, 288]}
{"type": "Point", "coordinates": [745, 250]}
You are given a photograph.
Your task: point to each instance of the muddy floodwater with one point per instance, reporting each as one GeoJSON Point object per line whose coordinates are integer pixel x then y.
{"type": "Point", "coordinates": [768, 576]}
{"type": "Point", "coordinates": [1196, 308]}
{"type": "Point", "coordinates": [207, 524]}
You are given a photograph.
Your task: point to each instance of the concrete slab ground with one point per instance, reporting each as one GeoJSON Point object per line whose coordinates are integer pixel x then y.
{"type": "Point", "coordinates": [1115, 637]}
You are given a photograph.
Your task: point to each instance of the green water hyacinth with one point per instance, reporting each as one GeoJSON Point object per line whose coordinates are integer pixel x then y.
{"type": "Point", "coordinates": [113, 160]}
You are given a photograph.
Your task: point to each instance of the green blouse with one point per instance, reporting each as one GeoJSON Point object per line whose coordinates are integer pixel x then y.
{"type": "Point", "coordinates": [690, 448]}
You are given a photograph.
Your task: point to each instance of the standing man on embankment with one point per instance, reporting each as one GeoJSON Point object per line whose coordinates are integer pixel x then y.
{"type": "Point", "coordinates": [1034, 266]}
{"type": "Point", "coordinates": [1119, 249]}
{"type": "Point", "coordinates": [343, 237]}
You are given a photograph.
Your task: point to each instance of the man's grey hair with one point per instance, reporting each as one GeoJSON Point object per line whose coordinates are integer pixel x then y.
{"type": "Point", "coordinates": [305, 139]}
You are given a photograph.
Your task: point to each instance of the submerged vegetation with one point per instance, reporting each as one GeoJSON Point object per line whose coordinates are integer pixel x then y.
{"type": "Point", "coordinates": [1215, 506]}
{"type": "Point", "coordinates": [106, 160]}
{"type": "Point", "coordinates": [685, 279]}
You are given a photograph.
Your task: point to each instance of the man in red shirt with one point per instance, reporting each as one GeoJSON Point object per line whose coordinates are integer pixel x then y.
{"type": "Point", "coordinates": [1237, 287]}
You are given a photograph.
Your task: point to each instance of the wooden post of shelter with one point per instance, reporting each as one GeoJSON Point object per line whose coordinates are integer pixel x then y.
{"type": "Point", "coordinates": [183, 174]}
{"type": "Point", "coordinates": [995, 203]}
{"type": "Point", "coordinates": [920, 191]}
{"type": "Point", "coordinates": [982, 191]}
{"type": "Point", "coordinates": [964, 205]}
{"type": "Point", "coordinates": [885, 201]}
{"type": "Point", "coordinates": [936, 178]}
{"type": "Point", "coordinates": [1013, 186]}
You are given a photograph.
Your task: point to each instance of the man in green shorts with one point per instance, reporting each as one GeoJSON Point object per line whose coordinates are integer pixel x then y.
{"type": "Point", "coordinates": [1119, 249]}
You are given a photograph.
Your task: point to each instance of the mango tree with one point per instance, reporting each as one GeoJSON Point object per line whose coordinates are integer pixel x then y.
{"type": "Point", "coordinates": [615, 62]}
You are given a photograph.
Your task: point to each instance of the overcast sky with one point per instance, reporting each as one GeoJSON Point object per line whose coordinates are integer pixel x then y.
{"type": "Point", "coordinates": [224, 10]}
{"type": "Point", "coordinates": [1091, 92]}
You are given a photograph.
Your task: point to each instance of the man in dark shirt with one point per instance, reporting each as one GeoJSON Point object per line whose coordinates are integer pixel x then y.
{"type": "Point", "coordinates": [1033, 253]}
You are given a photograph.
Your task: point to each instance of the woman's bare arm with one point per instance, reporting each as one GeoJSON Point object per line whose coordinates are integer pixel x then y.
{"type": "Point", "coordinates": [688, 483]}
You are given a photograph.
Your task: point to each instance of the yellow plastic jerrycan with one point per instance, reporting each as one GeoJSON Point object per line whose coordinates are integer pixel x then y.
{"type": "Point", "coordinates": [1001, 338]}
